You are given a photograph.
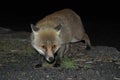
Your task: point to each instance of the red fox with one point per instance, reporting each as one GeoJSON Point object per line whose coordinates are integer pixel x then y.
{"type": "Point", "coordinates": [51, 35]}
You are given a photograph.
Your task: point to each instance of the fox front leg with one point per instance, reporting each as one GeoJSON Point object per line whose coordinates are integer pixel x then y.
{"type": "Point", "coordinates": [87, 42]}
{"type": "Point", "coordinates": [57, 60]}
{"type": "Point", "coordinates": [40, 61]}
{"type": "Point", "coordinates": [59, 56]}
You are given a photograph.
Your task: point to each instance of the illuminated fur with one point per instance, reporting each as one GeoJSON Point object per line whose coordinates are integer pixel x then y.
{"type": "Point", "coordinates": [51, 34]}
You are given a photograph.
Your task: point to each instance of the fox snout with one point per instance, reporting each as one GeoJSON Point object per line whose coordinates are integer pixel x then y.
{"type": "Point", "coordinates": [50, 58]}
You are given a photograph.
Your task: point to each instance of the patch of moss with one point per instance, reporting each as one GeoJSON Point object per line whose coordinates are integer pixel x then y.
{"type": "Point", "coordinates": [68, 63]}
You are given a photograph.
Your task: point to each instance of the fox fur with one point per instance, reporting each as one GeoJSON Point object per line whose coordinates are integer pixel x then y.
{"type": "Point", "coordinates": [51, 35]}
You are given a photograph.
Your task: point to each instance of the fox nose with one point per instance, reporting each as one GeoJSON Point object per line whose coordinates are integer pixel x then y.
{"type": "Point", "coordinates": [51, 59]}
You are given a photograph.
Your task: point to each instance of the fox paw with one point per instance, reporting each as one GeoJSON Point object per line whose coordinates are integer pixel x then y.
{"type": "Point", "coordinates": [56, 65]}
{"type": "Point", "coordinates": [38, 65]}
{"type": "Point", "coordinates": [88, 48]}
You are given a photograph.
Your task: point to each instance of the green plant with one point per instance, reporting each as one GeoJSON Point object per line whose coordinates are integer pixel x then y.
{"type": "Point", "coordinates": [68, 63]}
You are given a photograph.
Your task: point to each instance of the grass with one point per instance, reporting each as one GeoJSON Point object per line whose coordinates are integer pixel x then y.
{"type": "Point", "coordinates": [68, 63]}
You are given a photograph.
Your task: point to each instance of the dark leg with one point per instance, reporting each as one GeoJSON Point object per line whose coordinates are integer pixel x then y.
{"type": "Point", "coordinates": [57, 61]}
{"type": "Point", "coordinates": [87, 42]}
{"type": "Point", "coordinates": [59, 55]}
{"type": "Point", "coordinates": [40, 59]}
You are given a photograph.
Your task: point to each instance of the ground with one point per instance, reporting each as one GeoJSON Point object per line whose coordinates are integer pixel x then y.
{"type": "Point", "coordinates": [17, 60]}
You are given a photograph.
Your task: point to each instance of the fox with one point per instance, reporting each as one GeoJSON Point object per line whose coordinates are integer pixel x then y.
{"type": "Point", "coordinates": [53, 33]}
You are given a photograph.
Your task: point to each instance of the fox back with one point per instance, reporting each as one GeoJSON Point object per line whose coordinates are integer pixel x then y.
{"type": "Point", "coordinates": [71, 23]}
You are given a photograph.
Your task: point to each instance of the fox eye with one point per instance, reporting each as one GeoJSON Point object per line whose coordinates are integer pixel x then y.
{"type": "Point", "coordinates": [54, 46]}
{"type": "Point", "coordinates": [43, 46]}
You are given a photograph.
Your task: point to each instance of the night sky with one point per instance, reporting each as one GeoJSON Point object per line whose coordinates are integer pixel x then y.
{"type": "Point", "coordinates": [101, 18]}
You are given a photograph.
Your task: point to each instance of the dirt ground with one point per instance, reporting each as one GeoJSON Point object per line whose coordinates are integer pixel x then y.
{"type": "Point", "coordinates": [17, 60]}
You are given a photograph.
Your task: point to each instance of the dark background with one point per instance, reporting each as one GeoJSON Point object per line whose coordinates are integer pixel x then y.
{"type": "Point", "coordinates": [101, 18]}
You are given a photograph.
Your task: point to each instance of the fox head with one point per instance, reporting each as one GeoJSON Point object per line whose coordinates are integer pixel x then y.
{"type": "Point", "coordinates": [46, 41]}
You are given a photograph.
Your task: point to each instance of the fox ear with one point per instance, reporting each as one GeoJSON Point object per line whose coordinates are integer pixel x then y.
{"type": "Point", "coordinates": [58, 28]}
{"type": "Point", "coordinates": [34, 28]}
